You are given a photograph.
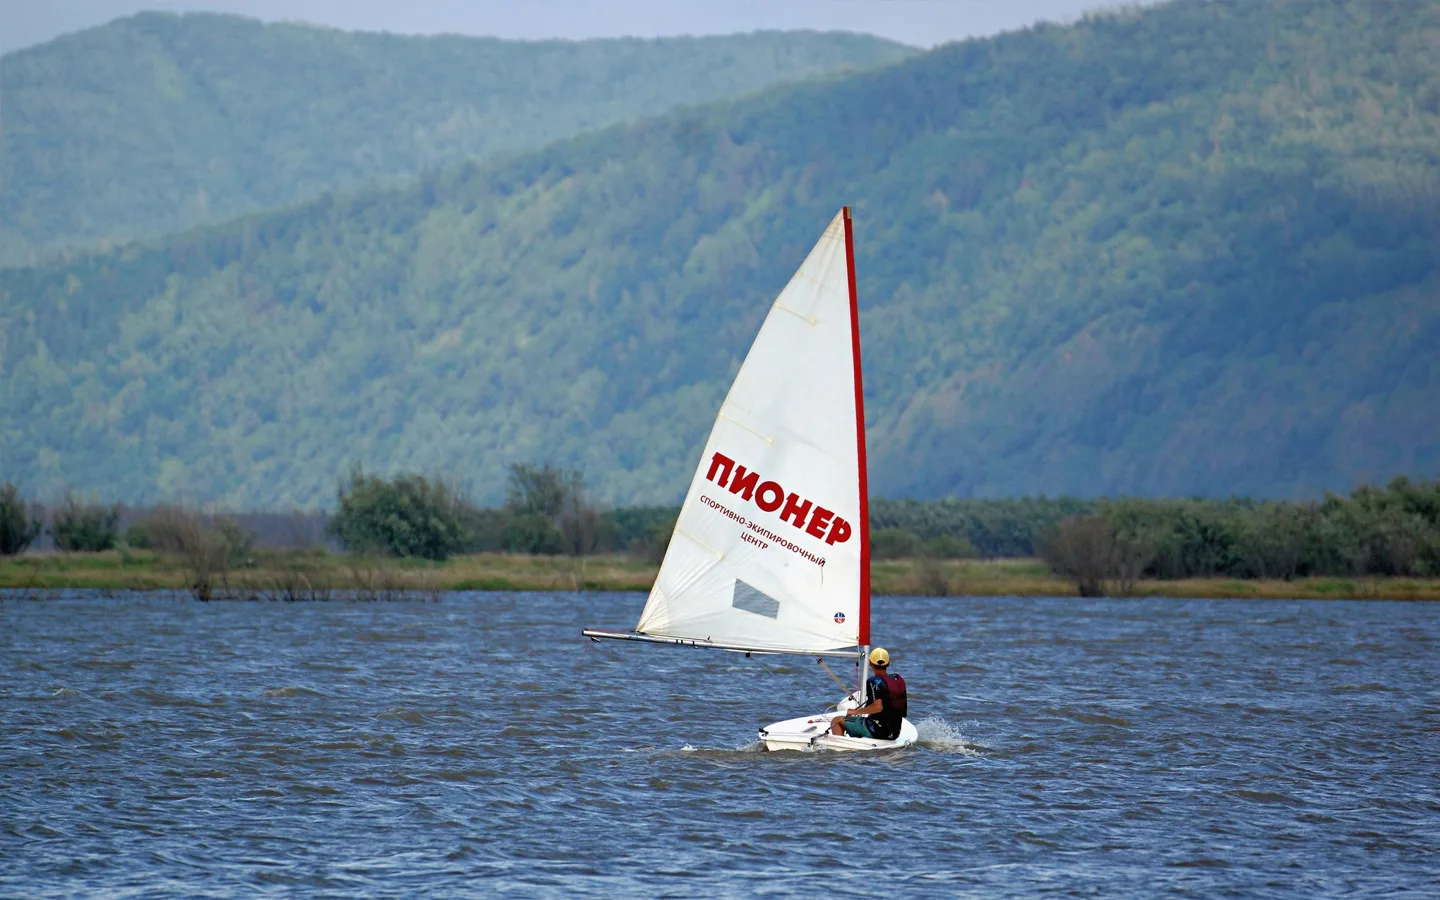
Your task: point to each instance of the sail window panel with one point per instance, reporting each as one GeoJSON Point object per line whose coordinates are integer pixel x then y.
{"type": "Point", "coordinates": [753, 600]}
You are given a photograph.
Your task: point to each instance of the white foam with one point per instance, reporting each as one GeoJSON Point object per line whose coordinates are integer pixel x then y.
{"type": "Point", "coordinates": [938, 734]}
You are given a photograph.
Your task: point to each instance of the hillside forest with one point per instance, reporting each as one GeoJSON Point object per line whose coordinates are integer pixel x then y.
{"type": "Point", "coordinates": [158, 122]}
{"type": "Point", "coordinates": [1181, 250]}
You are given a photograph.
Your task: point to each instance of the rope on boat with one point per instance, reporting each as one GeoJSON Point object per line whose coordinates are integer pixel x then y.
{"type": "Point", "coordinates": [833, 676]}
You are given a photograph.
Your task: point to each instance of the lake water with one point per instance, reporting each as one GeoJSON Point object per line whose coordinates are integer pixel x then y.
{"type": "Point", "coordinates": [156, 746]}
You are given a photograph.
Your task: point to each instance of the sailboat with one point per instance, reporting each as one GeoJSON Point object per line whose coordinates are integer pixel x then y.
{"type": "Point", "coordinates": [771, 550]}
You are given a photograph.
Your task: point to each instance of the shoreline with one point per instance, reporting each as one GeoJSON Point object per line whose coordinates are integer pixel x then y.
{"type": "Point", "coordinates": [295, 575]}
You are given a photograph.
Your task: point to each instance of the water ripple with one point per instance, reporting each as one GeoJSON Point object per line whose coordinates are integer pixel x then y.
{"type": "Point", "coordinates": [150, 745]}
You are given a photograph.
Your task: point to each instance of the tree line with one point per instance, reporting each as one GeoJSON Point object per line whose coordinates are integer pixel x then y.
{"type": "Point", "coordinates": [1390, 530]}
{"type": "Point", "coordinates": [547, 511]}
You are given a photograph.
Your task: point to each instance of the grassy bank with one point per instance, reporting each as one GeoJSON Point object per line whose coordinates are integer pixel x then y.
{"type": "Point", "coordinates": [304, 575]}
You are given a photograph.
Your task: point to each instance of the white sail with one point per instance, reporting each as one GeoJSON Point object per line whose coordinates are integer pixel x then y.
{"type": "Point", "coordinates": [771, 546]}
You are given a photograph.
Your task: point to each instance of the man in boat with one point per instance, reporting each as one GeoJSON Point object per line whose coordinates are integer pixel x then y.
{"type": "Point", "coordinates": [884, 708]}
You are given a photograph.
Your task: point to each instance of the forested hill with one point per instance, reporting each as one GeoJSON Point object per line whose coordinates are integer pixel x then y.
{"type": "Point", "coordinates": [160, 122]}
{"type": "Point", "coordinates": [1186, 250]}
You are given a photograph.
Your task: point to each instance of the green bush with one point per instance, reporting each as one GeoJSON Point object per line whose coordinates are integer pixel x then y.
{"type": "Point", "coordinates": [137, 536]}
{"type": "Point", "coordinates": [1392, 530]}
{"type": "Point", "coordinates": [17, 528]}
{"type": "Point", "coordinates": [642, 530]}
{"type": "Point", "coordinates": [948, 546]}
{"type": "Point", "coordinates": [548, 511]}
{"type": "Point", "coordinates": [530, 532]}
{"type": "Point", "coordinates": [893, 543]}
{"type": "Point", "coordinates": [1081, 549]}
{"type": "Point", "coordinates": [84, 527]}
{"type": "Point", "coordinates": [409, 516]}
{"type": "Point", "coordinates": [994, 528]}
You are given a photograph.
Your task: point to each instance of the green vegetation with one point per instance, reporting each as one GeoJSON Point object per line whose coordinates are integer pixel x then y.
{"type": "Point", "coordinates": [546, 513]}
{"type": "Point", "coordinates": [1341, 546]}
{"type": "Point", "coordinates": [991, 528]}
{"type": "Point", "coordinates": [206, 546]}
{"type": "Point", "coordinates": [317, 575]}
{"type": "Point", "coordinates": [1392, 531]}
{"type": "Point", "coordinates": [160, 122]}
{"type": "Point", "coordinates": [84, 527]}
{"type": "Point", "coordinates": [18, 529]}
{"type": "Point", "coordinates": [897, 543]}
{"type": "Point", "coordinates": [409, 516]}
{"type": "Point", "coordinates": [1186, 250]}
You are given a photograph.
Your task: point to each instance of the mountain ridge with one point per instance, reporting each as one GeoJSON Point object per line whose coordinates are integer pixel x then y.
{"type": "Point", "coordinates": [158, 122]}
{"type": "Point", "coordinates": [1186, 251]}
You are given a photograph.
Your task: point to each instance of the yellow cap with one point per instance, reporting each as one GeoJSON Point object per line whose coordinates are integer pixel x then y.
{"type": "Point", "coordinates": [878, 657]}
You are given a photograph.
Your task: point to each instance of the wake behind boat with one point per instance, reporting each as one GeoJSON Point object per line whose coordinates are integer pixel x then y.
{"type": "Point", "coordinates": [771, 551]}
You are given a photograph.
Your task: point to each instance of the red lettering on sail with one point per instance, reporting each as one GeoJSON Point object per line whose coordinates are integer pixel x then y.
{"type": "Point", "coordinates": [744, 483]}
{"type": "Point", "coordinates": [795, 511]}
{"type": "Point", "coordinates": [771, 497]}
{"type": "Point", "coordinates": [718, 461]}
{"type": "Point", "coordinates": [776, 496]}
{"type": "Point", "coordinates": [818, 520]}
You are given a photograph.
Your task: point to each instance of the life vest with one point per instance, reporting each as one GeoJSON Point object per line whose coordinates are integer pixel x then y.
{"type": "Point", "coordinates": [885, 724]}
{"type": "Point", "coordinates": [895, 695]}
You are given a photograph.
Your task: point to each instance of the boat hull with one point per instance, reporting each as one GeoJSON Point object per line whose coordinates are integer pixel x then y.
{"type": "Point", "coordinates": [810, 733]}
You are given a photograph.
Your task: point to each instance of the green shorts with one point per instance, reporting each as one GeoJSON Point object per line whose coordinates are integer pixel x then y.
{"type": "Point", "coordinates": [858, 726]}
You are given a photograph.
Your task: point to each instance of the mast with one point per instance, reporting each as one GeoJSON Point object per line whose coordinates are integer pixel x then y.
{"type": "Point", "coordinates": [863, 668]}
{"type": "Point", "coordinates": [859, 444]}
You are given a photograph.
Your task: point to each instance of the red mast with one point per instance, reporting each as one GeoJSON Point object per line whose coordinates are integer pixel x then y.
{"type": "Point", "coordinates": [859, 435]}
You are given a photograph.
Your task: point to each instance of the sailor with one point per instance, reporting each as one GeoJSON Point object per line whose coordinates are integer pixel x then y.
{"type": "Point", "coordinates": [884, 707]}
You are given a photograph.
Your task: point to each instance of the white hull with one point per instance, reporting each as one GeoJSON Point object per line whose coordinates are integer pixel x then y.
{"type": "Point", "coordinates": [813, 733]}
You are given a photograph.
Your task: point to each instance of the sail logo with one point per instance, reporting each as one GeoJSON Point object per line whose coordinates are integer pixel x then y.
{"type": "Point", "coordinates": [769, 535]}
{"type": "Point", "coordinates": [839, 618]}
{"type": "Point", "coordinates": [771, 497]}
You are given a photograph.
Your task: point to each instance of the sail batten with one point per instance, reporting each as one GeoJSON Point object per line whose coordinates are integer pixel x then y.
{"type": "Point", "coordinates": [777, 507]}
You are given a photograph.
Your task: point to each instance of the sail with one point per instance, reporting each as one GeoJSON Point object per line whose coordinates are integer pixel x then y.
{"type": "Point", "coordinates": [771, 549]}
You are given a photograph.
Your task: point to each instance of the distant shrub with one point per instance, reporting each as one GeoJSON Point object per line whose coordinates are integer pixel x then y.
{"type": "Point", "coordinates": [653, 546]}
{"type": "Point", "coordinates": [410, 515]}
{"type": "Point", "coordinates": [548, 511]}
{"type": "Point", "coordinates": [208, 544]}
{"type": "Point", "coordinates": [17, 527]}
{"type": "Point", "coordinates": [1392, 530]}
{"type": "Point", "coordinates": [1092, 553]}
{"type": "Point", "coordinates": [948, 546]}
{"type": "Point", "coordinates": [931, 577]}
{"type": "Point", "coordinates": [137, 536]}
{"type": "Point", "coordinates": [84, 527]}
{"type": "Point", "coordinates": [1079, 549]}
{"type": "Point", "coordinates": [530, 532]}
{"type": "Point", "coordinates": [893, 543]}
{"type": "Point", "coordinates": [901, 543]}
{"type": "Point", "coordinates": [995, 528]}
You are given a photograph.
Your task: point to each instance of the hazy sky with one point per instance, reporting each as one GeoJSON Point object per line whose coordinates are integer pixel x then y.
{"type": "Point", "coordinates": [921, 22]}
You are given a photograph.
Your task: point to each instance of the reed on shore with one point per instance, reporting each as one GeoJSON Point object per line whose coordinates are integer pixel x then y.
{"type": "Point", "coordinates": [318, 574]}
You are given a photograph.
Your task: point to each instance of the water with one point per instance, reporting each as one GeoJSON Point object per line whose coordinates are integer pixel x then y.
{"type": "Point", "coordinates": [153, 746]}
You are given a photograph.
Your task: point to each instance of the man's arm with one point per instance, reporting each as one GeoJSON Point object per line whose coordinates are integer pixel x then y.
{"type": "Point", "coordinates": [874, 706]}
{"type": "Point", "coordinates": [877, 702]}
